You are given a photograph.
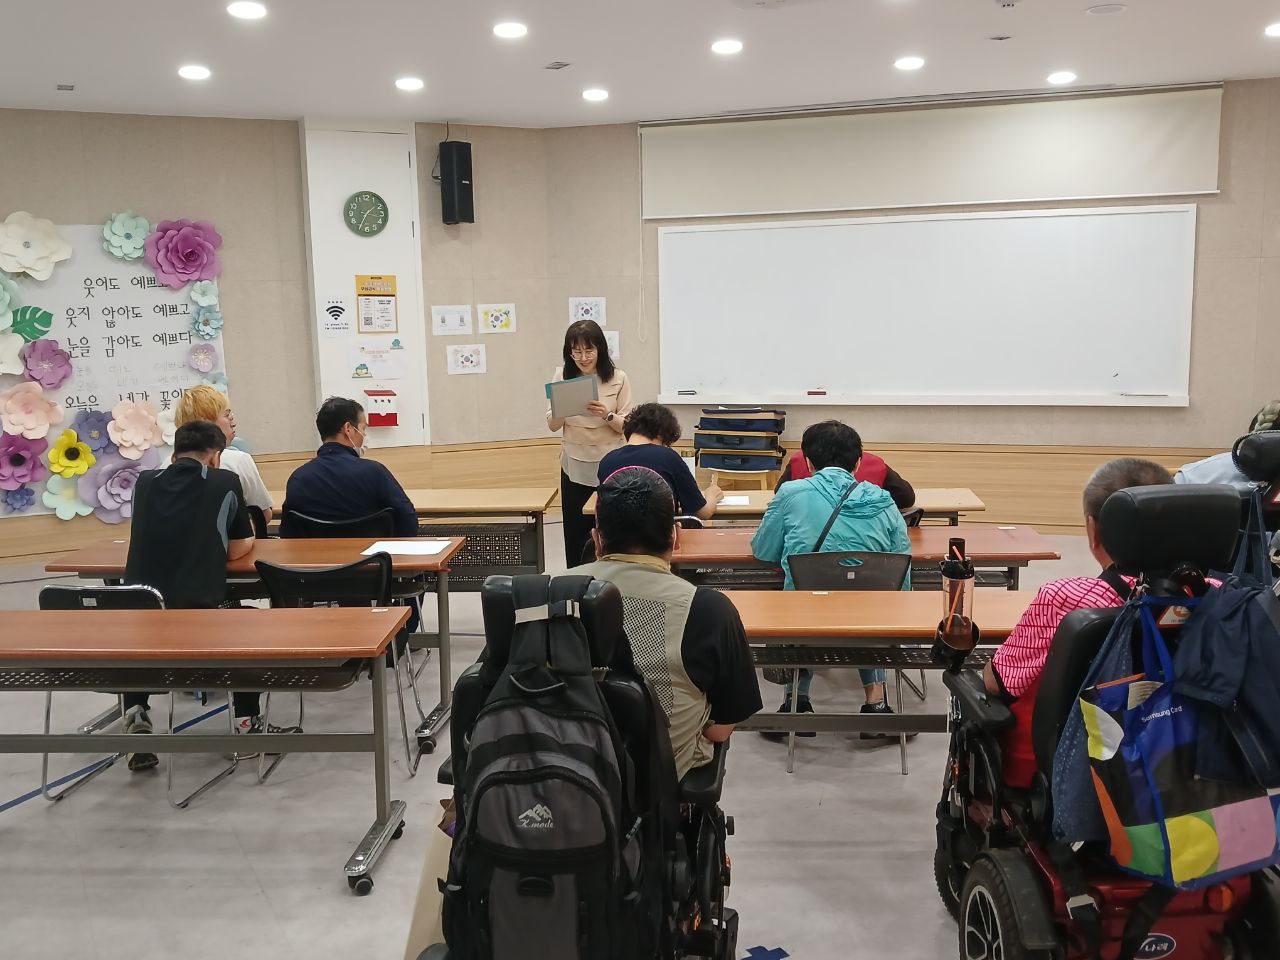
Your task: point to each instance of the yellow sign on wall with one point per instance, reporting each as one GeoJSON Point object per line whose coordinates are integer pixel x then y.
{"type": "Point", "coordinates": [375, 285]}
{"type": "Point", "coordinates": [376, 304]}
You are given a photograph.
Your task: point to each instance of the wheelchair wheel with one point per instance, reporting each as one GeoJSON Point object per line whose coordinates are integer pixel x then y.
{"type": "Point", "coordinates": [1255, 935]}
{"type": "Point", "coordinates": [709, 863]}
{"type": "Point", "coordinates": [988, 918]}
{"type": "Point", "coordinates": [949, 882]}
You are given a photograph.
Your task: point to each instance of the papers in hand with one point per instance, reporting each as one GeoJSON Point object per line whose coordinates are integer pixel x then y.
{"type": "Point", "coordinates": [738, 501]}
{"type": "Point", "coordinates": [569, 398]}
{"type": "Point", "coordinates": [406, 548]}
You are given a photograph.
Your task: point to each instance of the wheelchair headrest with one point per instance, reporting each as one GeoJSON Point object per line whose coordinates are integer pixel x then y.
{"type": "Point", "coordinates": [1257, 455]}
{"type": "Point", "coordinates": [599, 608]}
{"type": "Point", "coordinates": [1158, 528]}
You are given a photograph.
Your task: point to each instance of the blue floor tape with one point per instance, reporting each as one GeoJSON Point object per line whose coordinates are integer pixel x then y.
{"type": "Point", "coordinates": [98, 763]}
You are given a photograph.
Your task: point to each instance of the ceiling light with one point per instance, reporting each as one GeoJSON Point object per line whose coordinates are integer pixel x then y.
{"type": "Point", "coordinates": [1273, 30]}
{"type": "Point", "coordinates": [1060, 77]}
{"type": "Point", "coordinates": [595, 94]}
{"type": "Point", "coordinates": [193, 71]}
{"type": "Point", "coordinates": [410, 83]}
{"type": "Point", "coordinates": [510, 30]}
{"type": "Point", "coordinates": [247, 10]}
{"type": "Point", "coordinates": [726, 47]}
{"type": "Point", "coordinates": [1102, 9]}
{"type": "Point", "coordinates": [909, 63]}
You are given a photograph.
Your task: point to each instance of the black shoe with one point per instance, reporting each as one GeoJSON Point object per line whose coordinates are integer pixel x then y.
{"type": "Point", "coordinates": [138, 722]}
{"type": "Point", "coordinates": [884, 739]}
{"type": "Point", "coordinates": [803, 705]}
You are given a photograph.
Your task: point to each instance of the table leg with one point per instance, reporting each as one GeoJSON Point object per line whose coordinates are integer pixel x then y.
{"type": "Point", "coordinates": [389, 820]}
{"type": "Point", "coordinates": [542, 546]}
{"type": "Point", "coordinates": [429, 729]}
{"type": "Point", "coordinates": [953, 519]}
{"type": "Point", "coordinates": [795, 711]}
{"type": "Point", "coordinates": [902, 737]}
{"type": "Point", "coordinates": [1013, 577]}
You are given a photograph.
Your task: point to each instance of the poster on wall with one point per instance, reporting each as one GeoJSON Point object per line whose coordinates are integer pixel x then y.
{"type": "Point", "coordinates": [336, 318]}
{"type": "Point", "coordinates": [451, 320]}
{"type": "Point", "coordinates": [612, 338]}
{"type": "Point", "coordinates": [469, 358]}
{"type": "Point", "coordinates": [497, 317]}
{"type": "Point", "coordinates": [377, 358]}
{"type": "Point", "coordinates": [587, 308]}
{"type": "Point", "coordinates": [376, 304]}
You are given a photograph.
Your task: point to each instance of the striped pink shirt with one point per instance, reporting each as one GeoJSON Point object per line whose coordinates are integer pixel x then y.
{"type": "Point", "coordinates": [1020, 659]}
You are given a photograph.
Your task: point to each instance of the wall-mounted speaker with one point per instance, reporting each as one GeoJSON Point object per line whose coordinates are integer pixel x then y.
{"type": "Point", "coordinates": [456, 203]}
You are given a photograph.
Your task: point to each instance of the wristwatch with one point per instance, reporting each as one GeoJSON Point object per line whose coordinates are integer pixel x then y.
{"type": "Point", "coordinates": [609, 418]}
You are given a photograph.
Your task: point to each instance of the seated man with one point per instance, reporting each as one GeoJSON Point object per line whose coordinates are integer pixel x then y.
{"type": "Point", "coordinates": [651, 430]}
{"type": "Point", "coordinates": [1014, 672]}
{"type": "Point", "coordinates": [340, 483]}
{"type": "Point", "coordinates": [871, 469]}
{"type": "Point", "coordinates": [1221, 467]}
{"type": "Point", "coordinates": [188, 521]}
{"type": "Point", "coordinates": [868, 520]}
{"type": "Point", "coordinates": [687, 642]}
{"type": "Point", "coordinates": [207, 403]}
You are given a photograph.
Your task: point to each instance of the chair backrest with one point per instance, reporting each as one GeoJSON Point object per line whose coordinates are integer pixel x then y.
{"type": "Point", "coordinates": [849, 570]}
{"type": "Point", "coordinates": [913, 516]}
{"type": "Point", "coordinates": [686, 522]}
{"type": "Point", "coordinates": [366, 582]}
{"type": "Point", "coordinates": [258, 520]}
{"type": "Point", "coordinates": [139, 597]}
{"type": "Point", "coordinates": [302, 526]}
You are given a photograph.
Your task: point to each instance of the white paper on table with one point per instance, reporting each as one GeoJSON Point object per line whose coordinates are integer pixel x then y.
{"type": "Point", "coordinates": [738, 501]}
{"type": "Point", "coordinates": [406, 548]}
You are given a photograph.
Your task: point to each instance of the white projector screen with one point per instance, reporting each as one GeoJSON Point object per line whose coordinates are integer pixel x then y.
{"type": "Point", "coordinates": [1088, 306]}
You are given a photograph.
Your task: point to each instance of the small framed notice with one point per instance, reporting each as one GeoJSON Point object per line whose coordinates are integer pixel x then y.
{"type": "Point", "coordinates": [376, 310]}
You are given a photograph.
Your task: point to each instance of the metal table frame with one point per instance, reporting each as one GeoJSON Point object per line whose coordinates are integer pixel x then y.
{"type": "Point", "coordinates": [924, 575]}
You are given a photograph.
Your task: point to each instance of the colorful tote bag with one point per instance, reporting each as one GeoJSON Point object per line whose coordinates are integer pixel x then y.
{"type": "Point", "coordinates": [1162, 822]}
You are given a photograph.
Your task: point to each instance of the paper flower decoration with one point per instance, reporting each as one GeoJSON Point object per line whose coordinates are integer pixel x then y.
{"type": "Point", "coordinates": [10, 300]}
{"type": "Point", "coordinates": [91, 428]}
{"type": "Point", "coordinates": [204, 293]}
{"type": "Point", "coordinates": [46, 363]}
{"type": "Point", "coordinates": [180, 251]}
{"type": "Point", "coordinates": [125, 235]}
{"type": "Point", "coordinates": [18, 501]}
{"type": "Point", "coordinates": [69, 456]}
{"type": "Point", "coordinates": [25, 411]}
{"type": "Point", "coordinates": [20, 461]}
{"type": "Point", "coordinates": [63, 498]}
{"type": "Point", "coordinates": [168, 425]}
{"type": "Point", "coordinates": [218, 381]}
{"type": "Point", "coordinates": [206, 322]}
{"type": "Point", "coordinates": [11, 353]}
{"type": "Point", "coordinates": [108, 486]}
{"type": "Point", "coordinates": [133, 429]}
{"type": "Point", "coordinates": [203, 358]}
{"type": "Point", "coordinates": [31, 245]}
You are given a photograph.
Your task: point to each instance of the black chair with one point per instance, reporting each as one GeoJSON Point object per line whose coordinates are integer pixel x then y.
{"type": "Point", "coordinates": [686, 522]}
{"type": "Point", "coordinates": [913, 516]}
{"type": "Point", "coordinates": [302, 526]}
{"type": "Point", "coordinates": [258, 519]}
{"type": "Point", "coordinates": [363, 583]}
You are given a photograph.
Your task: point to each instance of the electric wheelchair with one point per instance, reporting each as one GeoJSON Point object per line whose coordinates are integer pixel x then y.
{"type": "Point", "coordinates": [688, 828]}
{"type": "Point", "coordinates": [1016, 893]}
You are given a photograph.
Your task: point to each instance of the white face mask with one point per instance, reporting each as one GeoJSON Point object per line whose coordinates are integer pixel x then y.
{"type": "Point", "coordinates": [363, 449]}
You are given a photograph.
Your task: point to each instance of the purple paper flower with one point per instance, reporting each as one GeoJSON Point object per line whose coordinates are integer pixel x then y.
{"type": "Point", "coordinates": [91, 427]}
{"type": "Point", "coordinates": [108, 486]}
{"type": "Point", "coordinates": [46, 363]}
{"type": "Point", "coordinates": [20, 461]}
{"type": "Point", "coordinates": [17, 501]}
{"type": "Point", "coordinates": [181, 251]}
{"type": "Point", "coordinates": [203, 358]}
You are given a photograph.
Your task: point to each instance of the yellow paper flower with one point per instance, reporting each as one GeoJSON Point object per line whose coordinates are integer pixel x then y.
{"type": "Point", "coordinates": [69, 457]}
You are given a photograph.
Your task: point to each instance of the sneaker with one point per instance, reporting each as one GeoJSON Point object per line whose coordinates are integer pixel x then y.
{"type": "Point", "coordinates": [883, 739]}
{"type": "Point", "coordinates": [138, 721]}
{"type": "Point", "coordinates": [803, 705]}
{"type": "Point", "coordinates": [254, 725]}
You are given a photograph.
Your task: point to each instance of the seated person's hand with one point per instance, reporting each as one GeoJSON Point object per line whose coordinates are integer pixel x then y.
{"type": "Point", "coordinates": [598, 409]}
{"type": "Point", "coordinates": [714, 494]}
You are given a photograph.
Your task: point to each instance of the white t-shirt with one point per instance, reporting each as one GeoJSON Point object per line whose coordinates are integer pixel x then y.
{"type": "Point", "coordinates": [242, 465]}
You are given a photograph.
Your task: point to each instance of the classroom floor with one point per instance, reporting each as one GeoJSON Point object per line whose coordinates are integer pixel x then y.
{"type": "Point", "coordinates": [830, 863]}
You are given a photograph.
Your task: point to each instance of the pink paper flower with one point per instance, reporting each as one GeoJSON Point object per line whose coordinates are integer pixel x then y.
{"type": "Point", "coordinates": [181, 251]}
{"type": "Point", "coordinates": [203, 358]}
{"type": "Point", "coordinates": [20, 461]}
{"type": "Point", "coordinates": [133, 429]}
{"type": "Point", "coordinates": [109, 484]}
{"type": "Point", "coordinates": [46, 363]}
{"type": "Point", "coordinates": [24, 410]}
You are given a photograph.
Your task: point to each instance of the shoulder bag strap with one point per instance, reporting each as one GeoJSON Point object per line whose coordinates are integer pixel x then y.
{"type": "Point", "coordinates": [822, 537]}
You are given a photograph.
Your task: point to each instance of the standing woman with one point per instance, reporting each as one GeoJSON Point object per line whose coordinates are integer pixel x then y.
{"type": "Point", "coordinates": [587, 438]}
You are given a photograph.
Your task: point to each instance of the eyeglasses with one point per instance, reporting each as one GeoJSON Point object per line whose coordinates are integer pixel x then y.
{"type": "Point", "coordinates": [583, 352]}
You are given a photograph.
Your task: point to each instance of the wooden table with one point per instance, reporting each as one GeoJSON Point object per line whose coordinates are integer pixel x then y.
{"type": "Point", "coordinates": [241, 649]}
{"type": "Point", "coordinates": [859, 628]}
{"type": "Point", "coordinates": [106, 561]}
{"type": "Point", "coordinates": [1003, 548]}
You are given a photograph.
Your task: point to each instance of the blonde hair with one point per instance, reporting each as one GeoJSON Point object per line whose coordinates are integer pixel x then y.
{"type": "Point", "coordinates": [200, 403]}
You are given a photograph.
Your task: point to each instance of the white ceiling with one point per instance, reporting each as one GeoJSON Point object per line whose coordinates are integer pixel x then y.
{"type": "Point", "coordinates": [339, 58]}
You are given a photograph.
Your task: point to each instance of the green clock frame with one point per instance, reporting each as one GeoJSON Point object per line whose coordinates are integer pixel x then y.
{"type": "Point", "coordinates": [365, 213]}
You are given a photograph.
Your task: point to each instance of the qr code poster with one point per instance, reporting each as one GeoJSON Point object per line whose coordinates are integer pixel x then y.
{"type": "Point", "coordinates": [587, 308]}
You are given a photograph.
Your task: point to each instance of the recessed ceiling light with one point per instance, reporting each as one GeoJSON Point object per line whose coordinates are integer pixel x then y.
{"type": "Point", "coordinates": [1273, 30]}
{"type": "Point", "coordinates": [909, 63]}
{"type": "Point", "coordinates": [1061, 77]}
{"type": "Point", "coordinates": [595, 94]}
{"type": "Point", "coordinates": [193, 71]}
{"type": "Point", "coordinates": [726, 47]}
{"type": "Point", "coordinates": [410, 83]}
{"type": "Point", "coordinates": [1102, 9]}
{"type": "Point", "coordinates": [247, 10]}
{"type": "Point", "coordinates": [510, 30]}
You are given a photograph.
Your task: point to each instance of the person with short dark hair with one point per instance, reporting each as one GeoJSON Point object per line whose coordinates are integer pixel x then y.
{"type": "Point", "coordinates": [1014, 672]}
{"type": "Point", "coordinates": [341, 483]}
{"type": "Point", "coordinates": [867, 520]}
{"type": "Point", "coordinates": [871, 469]}
{"type": "Point", "coordinates": [1221, 467]}
{"type": "Point", "coordinates": [189, 519]}
{"type": "Point", "coordinates": [651, 430]}
{"type": "Point", "coordinates": [687, 642]}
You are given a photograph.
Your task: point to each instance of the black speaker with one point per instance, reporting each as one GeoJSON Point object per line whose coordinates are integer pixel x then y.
{"type": "Point", "coordinates": [456, 204]}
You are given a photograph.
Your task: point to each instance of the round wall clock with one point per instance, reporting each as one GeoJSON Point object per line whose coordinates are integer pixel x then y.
{"type": "Point", "coordinates": [365, 213]}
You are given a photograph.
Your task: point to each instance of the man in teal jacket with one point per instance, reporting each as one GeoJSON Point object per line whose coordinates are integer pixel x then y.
{"type": "Point", "coordinates": [868, 521]}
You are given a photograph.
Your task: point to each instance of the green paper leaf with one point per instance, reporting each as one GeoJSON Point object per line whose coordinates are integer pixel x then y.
{"type": "Point", "coordinates": [31, 323]}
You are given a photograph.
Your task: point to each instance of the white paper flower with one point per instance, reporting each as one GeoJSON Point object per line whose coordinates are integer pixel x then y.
{"type": "Point", "coordinates": [165, 418]}
{"type": "Point", "coordinates": [31, 245]}
{"type": "Point", "coordinates": [10, 298]}
{"type": "Point", "coordinates": [125, 235]}
{"type": "Point", "coordinates": [11, 353]}
{"type": "Point", "coordinates": [204, 293]}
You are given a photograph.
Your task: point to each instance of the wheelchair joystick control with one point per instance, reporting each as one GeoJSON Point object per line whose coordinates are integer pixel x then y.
{"type": "Point", "coordinates": [957, 634]}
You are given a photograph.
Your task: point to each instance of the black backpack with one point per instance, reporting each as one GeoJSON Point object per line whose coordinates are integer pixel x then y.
{"type": "Point", "coordinates": [547, 857]}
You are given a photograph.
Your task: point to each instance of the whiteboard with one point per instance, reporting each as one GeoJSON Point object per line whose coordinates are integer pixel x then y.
{"type": "Point", "coordinates": [1088, 306]}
